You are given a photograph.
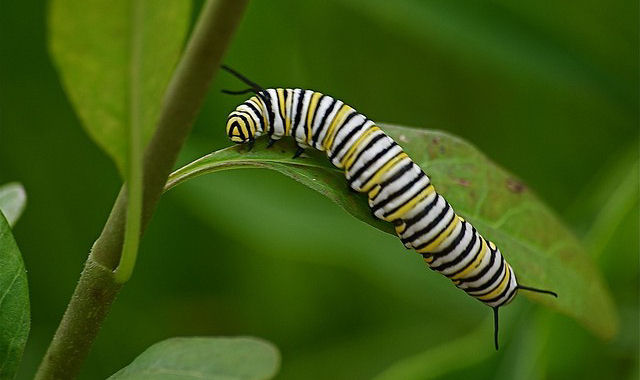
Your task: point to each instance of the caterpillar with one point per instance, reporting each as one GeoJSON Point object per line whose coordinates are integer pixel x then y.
{"type": "Point", "coordinates": [398, 190]}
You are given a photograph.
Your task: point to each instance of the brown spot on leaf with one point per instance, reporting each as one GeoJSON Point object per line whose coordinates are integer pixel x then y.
{"type": "Point", "coordinates": [463, 182]}
{"type": "Point", "coordinates": [436, 140]}
{"type": "Point", "coordinates": [515, 186]}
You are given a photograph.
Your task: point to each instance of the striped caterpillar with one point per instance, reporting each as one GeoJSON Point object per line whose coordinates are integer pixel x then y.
{"type": "Point", "coordinates": [398, 190]}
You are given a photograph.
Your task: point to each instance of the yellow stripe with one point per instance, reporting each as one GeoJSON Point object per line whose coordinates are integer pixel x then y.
{"type": "Point", "coordinates": [252, 123]}
{"type": "Point", "coordinates": [382, 170]}
{"type": "Point", "coordinates": [329, 136]}
{"type": "Point", "coordinates": [409, 205]}
{"type": "Point", "coordinates": [443, 235]}
{"type": "Point", "coordinates": [280, 95]}
{"type": "Point", "coordinates": [287, 112]}
{"type": "Point", "coordinates": [373, 193]}
{"type": "Point", "coordinates": [347, 159]}
{"type": "Point", "coordinates": [428, 260]}
{"type": "Point", "coordinates": [500, 287]}
{"type": "Point", "coordinates": [313, 104]}
{"type": "Point", "coordinates": [473, 265]}
{"type": "Point", "coordinates": [243, 127]}
{"type": "Point", "coordinates": [263, 112]}
{"type": "Point", "coordinates": [400, 228]}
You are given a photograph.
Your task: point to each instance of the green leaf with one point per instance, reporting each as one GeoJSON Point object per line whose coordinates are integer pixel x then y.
{"type": "Point", "coordinates": [14, 303]}
{"type": "Point", "coordinates": [115, 58]}
{"type": "Point", "coordinates": [541, 249]}
{"type": "Point", "coordinates": [204, 358]}
{"type": "Point", "coordinates": [13, 199]}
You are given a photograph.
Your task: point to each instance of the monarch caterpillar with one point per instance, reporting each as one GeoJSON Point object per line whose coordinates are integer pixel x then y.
{"type": "Point", "coordinates": [398, 190]}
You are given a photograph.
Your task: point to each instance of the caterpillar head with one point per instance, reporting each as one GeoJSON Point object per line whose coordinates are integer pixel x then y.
{"type": "Point", "coordinates": [240, 129]}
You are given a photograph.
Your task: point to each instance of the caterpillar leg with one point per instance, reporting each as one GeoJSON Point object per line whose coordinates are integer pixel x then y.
{"type": "Point", "coordinates": [250, 145]}
{"type": "Point", "coordinates": [299, 151]}
{"type": "Point", "coordinates": [271, 142]}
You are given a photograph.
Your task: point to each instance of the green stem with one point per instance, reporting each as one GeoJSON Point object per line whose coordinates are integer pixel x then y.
{"type": "Point", "coordinates": [97, 287]}
{"type": "Point", "coordinates": [134, 175]}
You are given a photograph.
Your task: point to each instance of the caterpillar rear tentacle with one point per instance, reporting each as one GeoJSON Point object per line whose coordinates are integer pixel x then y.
{"type": "Point", "coordinates": [397, 189]}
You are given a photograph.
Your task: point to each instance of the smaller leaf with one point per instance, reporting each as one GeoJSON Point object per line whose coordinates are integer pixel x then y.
{"type": "Point", "coordinates": [13, 199]}
{"type": "Point", "coordinates": [14, 303]}
{"type": "Point", "coordinates": [204, 358]}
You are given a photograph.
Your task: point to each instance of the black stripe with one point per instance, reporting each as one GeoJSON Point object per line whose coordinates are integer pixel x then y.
{"type": "Point", "coordinates": [269, 108]}
{"type": "Point", "coordinates": [373, 159]}
{"type": "Point", "coordinates": [420, 190]}
{"type": "Point", "coordinates": [323, 122]}
{"type": "Point", "coordinates": [366, 147]}
{"type": "Point", "coordinates": [236, 127]}
{"type": "Point", "coordinates": [399, 174]}
{"type": "Point", "coordinates": [508, 297]}
{"type": "Point", "coordinates": [241, 114]}
{"type": "Point", "coordinates": [346, 139]}
{"type": "Point", "coordinates": [285, 96]}
{"type": "Point", "coordinates": [473, 259]}
{"type": "Point", "coordinates": [493, 282]}
{"type": "Point", "coordinates": [445, 251]}
{"type": "Point", "coordinates": [392, 179]}
{"type": "Point", "coordinates": [257, 112]}
{"type": "Point", "coordinates": [428, 227]}
{"type": "Point", "coordinates": [481, 273]}
{"type": "Point", "coordinates": [400, 191]}
{"type": "Point", "coordinates": [296, 121]}
{"type": "Point", "coordinates": [339, 127]}
{"type": "Point", "coordinates": [441, 231]}
{"type": "Point", "coordinates": [383, 164]}
{"type": "Point", "coordinates": [502, 293]}
{"type": "Point", "coordinates": [315, 113]}
{"type": "Point", "coordinates": [462, 254]}
{"type": "Point", "coordinates": [454, 243]}
{"type": "Point", "coordinates": [248, 115]}
{"type": "Point", "coordinates": [416, 218]}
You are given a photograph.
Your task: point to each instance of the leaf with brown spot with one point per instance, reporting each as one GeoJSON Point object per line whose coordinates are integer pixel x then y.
{"type": "Point", "coordinates": [538, 245]}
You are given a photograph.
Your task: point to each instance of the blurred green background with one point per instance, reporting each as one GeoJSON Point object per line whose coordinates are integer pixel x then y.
{"type": "Point", "coordinates": [547, 90]}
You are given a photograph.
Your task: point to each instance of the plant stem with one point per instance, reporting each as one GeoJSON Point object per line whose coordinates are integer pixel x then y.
{"type": "Point", "coordinates": [97, 287]}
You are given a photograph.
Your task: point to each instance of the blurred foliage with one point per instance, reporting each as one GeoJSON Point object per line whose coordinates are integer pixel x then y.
{"type": "Point", "coordinates": [14, 303]}
{"type": "Point", "coordinates": [204, 358]}
{"type": "Point", "coordinates": [548, 91]}
{"type": "Point", "coordinates": [496, 202]}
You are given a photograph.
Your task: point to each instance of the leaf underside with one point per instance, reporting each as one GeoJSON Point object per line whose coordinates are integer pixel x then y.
{"type": "Point", "coordinates": [543, 252]}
